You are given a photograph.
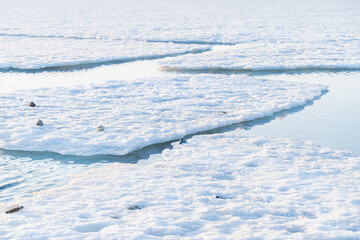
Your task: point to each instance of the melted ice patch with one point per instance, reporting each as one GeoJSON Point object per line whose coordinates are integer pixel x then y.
{"type": "Point", "coordinates": [139, 113]}
{"type": "Point", "coordinates": [205, 189]}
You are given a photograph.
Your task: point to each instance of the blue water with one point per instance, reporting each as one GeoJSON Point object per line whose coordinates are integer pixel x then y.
{"type": "Point", "coordinates": [23, 173]}
{"type": "Point", "coordinates": [332, 121]}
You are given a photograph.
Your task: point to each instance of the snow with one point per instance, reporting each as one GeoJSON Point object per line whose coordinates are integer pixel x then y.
{"type": "Point", "coordinates": [139, 113]}
{"type": "Point", "coordinates": [207, 21]}
{"type": "Point", "coordinates": [280, 34]}
{"type": "Point", "coordinates": [272, 56]}
{"type": "Point", "coordinates": [38, 53]}
{"type": "Point", "coordinates": [221, 186]}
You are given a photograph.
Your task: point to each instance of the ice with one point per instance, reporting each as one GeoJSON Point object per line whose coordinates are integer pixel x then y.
{"type": "Point", "coordinates": [47, 53]}
{"type": "Point", "coordinates": [280, 34]}
{"type": "Point", "coordinates": [272, 56]}
{"type": "Point", "coordinates": [204, 189]}
{"type": "Point", "coordinates": [202, 21]}
{"type": "Point", "coordinates": [139, 113]}
{"type": "Point", "coordinates": [161, 21]}
{"type": "Point", "coordinates": [220, 186]}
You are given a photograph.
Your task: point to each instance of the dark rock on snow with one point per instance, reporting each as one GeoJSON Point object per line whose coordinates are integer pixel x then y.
{"type": "Point", "coordinates": [135, 207]}
{"type": "Point", "coordinates": [100, 128]}
{"type": "Point", "coordinates": [13, 209]}
{"type": "Point", "coordinates": [32, 104]}
{"type": "Point", "coordinates": [40, 123]}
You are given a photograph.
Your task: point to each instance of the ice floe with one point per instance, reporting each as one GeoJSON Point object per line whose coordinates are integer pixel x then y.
{"type": "Point", "coordinates": [39, 53]}
{"type": "Point", "coordinates": [222, 186]}
{"type": "Point", "coordinates": [276, 35]}
{"type": "Point", "coordinates": [272, 56]}
{"type": "Point", "coordinates": [139, 113]}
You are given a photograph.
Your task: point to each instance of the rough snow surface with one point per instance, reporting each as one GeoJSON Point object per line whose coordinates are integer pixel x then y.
{"type": "Point", "coordinates": [276, 55]}
{"type": "Point", "coordinates": [276, 34]}
{"type": "Point", "coordinates": [139, 113]}
{"type": "Point", "coordinates": [190, 21]}
{"type": "Point", "coordinates": [35, 53]}
{"type": "Point", "coordinates": [223, 186]}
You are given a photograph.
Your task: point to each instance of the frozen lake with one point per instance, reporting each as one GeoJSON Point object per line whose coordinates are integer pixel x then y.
{"type": "Point", "coordinates": [330, 120]}
{"type": "Point", "coordinates": [264, 96]}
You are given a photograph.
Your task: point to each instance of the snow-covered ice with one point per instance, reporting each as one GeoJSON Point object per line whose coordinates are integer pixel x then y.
{"type": "Point", "coordinates": [275, 55]}
{"type": "Point", "coordinates": [139, 113]}
{"type": "Point", "coordinates": [36, 53]}
{"type": "Point", "coordinates": [279, 34]}
{"type": "Point", "coordinates": [222, 186]}
{"type": "Point", "coordinates": [168, 20]}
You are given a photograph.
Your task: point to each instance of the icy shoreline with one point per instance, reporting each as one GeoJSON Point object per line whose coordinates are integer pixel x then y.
{"type": "Point", "coordinates": [214, 186]}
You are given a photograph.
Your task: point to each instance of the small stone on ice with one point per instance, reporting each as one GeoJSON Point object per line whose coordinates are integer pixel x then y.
{"type": "Point", "coordinates": [100, 128]}
{"type": "Point", "coordinates": [14, 209]}
{"type": "Point", "coordinates": [135, 207]}
{"type": "Point", "coordinates": [39, 123]}
{"type": "Point", "coordinates": [32, 104]}
{"type": "Point", "coordinates": [182, 140]}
